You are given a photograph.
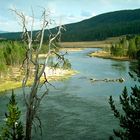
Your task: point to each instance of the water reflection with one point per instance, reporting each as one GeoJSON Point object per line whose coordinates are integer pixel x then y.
{"type": "Point", "coordinates": [133, 66]}
{"type": "Point", "coordinates": [119, 66]}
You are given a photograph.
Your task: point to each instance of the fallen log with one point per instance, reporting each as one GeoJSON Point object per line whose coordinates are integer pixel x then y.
{"type": "Point", "coordinates": [107, 80]}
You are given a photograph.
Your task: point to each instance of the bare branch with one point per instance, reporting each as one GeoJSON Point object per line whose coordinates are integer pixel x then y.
{"type": "Point", "coordinates": [30, 63]}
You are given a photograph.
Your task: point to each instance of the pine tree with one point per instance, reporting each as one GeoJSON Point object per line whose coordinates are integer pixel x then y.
{"type": "Point", "coordinates": [132, 49]}
{"type": "Point", "coordinates": [2, 61]}
{"type": "Point", "coordinates": [13, 129]}
{"type": "Point", "coordinates": [129, 117]}
{"type": "Point", "coordinates": [137, 41]}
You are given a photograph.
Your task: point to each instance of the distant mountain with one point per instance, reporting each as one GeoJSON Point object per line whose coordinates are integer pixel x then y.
{"type": "Point", "coordinates": [97, 28]}
{"type": "Point", "coordinates": [105, 25]}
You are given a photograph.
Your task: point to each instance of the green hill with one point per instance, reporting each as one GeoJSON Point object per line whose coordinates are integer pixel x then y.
{"type": "Point", "coordinates": [105, 25]}
{"type": "Point", "coordinates": [99, 27]}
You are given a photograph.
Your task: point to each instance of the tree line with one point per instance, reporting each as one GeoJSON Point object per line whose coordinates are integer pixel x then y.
{"type": "Point", "coordinates": [11, 53]}
{"type": "Point", "coordinates": [127, 46]}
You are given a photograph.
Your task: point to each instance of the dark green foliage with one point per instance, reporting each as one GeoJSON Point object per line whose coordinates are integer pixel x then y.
{"type": "Point", "coordinates": [2, 61]}
{"type": "Point", "coordinates": [103, 26]}
{"type": "Point", "coordinates": [132, 50]}
{"type": "Point", "coordinates": [117, 50]}
{"type": "Point", "coordinates": [127, 46]}
{"type": "Point", "coordinates": [13, 129]}
{"type": "Point", "coordinates": [116, 112]}
{"type": "Point", "coordinates": [14, 52]}
{"type": "Point", "coordinates": [11, 53]}
{"type": "Point", "coordinates": [96, 28]}
{"type": "Point", "coordinates": [129, 120]}
{"type": "Point", "coordinates": [137, 42]}
{"type": "Point", "coordinates": [129, 117]}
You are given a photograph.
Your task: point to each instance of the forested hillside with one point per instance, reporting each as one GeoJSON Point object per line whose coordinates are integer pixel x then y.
{"type": "Point", "coordinates": [103, 26]}
{"type": "Point", "coordinates": [97, 28]}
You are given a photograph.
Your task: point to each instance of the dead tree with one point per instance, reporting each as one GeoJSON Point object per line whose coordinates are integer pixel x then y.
{"type": "Point", "coordinates": [32, 99]}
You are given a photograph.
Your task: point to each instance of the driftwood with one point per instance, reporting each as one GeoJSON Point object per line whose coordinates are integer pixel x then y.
{"type": "Point", "coordinates": [107, 80]}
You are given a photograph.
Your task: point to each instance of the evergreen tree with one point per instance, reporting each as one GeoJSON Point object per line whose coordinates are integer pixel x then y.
{"type": "Point", "coordinates": [13, 52]}
{"type": "Point", "coordinates": [132, 49]}
{"type": "Point", "coordinates": [125, 44]}
{"type": "Point", "coordinates": [129, 119]}
{"type": "Point", "coordinates": [118, 49]}
{"type": "Point", "coordinates": [137, 41]}
{"type": "Point", "coordinates": [7, 50]}
{"type": "Point", "coordinates": [2, 61]}
{"type": "Point", "coordinates": [13, 129]}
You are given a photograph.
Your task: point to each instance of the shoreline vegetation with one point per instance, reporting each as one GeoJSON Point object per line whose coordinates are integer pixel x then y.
{"type": "Point", "coordinates": [123, 48]}
{"type": "Point", "coordinates": [14, 80]}
{"type": "Point", "coordinates": [126, 48]}
{"type": "Point", "coordinates": [107, 55]}
{"type": "Point", "coordinates": [105, 44]}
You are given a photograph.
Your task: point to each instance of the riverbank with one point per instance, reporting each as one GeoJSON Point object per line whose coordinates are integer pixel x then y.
{"type": "Point", "coordinates": [52, 75]}
{"type": "Point", "coordinates": [107, 55]}
{"type": "Point", "coordinates": [71, 49]}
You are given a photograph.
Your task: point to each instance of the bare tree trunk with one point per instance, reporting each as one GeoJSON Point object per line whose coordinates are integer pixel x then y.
{"type": "Point", "coordinates": [29, 121]}
{"type": "Point", "coordinates": [33, 100]}
{"type": "Point", "coordinates": [30, 114]}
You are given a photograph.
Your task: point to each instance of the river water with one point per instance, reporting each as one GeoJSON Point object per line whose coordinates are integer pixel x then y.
{"type": "Point", "coordinates": [78, 109]}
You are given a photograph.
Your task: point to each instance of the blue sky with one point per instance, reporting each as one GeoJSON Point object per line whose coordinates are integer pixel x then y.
{"type": "Point", "coordinates": [64, 11]}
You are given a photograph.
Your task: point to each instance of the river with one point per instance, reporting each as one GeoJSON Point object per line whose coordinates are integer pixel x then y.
{"type": "Point", "coordinates": [78, 109]}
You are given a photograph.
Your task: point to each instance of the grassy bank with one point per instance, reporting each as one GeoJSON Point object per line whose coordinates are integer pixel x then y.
{"type": "Point", "coordinates": [13, 84]}
{"type": "Point", "coordinates": [107, 55]}
{"type": "Point", "coordinates": [71, 49]}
